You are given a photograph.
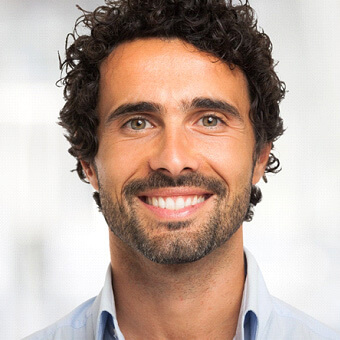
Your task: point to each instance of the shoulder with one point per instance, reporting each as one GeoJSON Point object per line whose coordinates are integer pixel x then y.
{"type": "Point", "coordinates": [75, 325]}
{"type": "Point", "coordinates": [290, 323]}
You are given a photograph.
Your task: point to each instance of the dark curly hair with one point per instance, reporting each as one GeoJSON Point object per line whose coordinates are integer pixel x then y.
{"type": "Point", "coordinates": [227, 31]}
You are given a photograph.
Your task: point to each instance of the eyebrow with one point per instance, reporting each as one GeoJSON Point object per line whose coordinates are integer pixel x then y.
{"type": "Point", "coordinates": [213, 104]}
{"type": "Point", "coordinates": [196, 103]}
{"type": "Point", "coordinates": [139, 107]}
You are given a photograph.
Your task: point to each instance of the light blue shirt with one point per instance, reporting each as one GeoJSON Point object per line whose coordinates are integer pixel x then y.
{"type": "Point", "coordinates": [262, 317]}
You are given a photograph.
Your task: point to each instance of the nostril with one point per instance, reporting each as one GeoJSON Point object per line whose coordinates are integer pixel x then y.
{"type": "Point", "coordinates": [174, 161]}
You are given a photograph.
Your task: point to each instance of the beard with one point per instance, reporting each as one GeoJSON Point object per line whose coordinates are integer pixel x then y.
{"type": "Point", "coordinates": [180, 244]}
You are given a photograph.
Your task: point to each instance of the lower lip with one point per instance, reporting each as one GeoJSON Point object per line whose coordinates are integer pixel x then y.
{"type": "Point", "coordinates": [167, 214]}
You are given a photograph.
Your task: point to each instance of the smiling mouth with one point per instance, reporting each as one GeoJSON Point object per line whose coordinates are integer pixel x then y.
{"type": "Point", "coordinates": [174, 202]}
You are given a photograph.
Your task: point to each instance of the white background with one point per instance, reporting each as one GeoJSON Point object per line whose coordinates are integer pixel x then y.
{"type": "Point", "coordinates": [53, 244]}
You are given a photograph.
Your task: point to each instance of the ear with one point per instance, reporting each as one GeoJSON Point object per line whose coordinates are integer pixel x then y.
{"type": "Point", "coordinates": [91, 174]}
{"type": "Point", "coordinates": [261, 163]}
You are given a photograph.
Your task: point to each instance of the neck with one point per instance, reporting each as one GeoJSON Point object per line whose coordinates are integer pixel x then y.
{"type": "Point", "coordinates": [185, 301]}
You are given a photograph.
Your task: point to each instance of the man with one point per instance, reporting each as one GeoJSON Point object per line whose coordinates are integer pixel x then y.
{"type": "Point", "coordinates": [172, 108]}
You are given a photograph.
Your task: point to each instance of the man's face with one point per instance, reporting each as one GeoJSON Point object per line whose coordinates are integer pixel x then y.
{"type": "Point", "coordinates": [176, 149]}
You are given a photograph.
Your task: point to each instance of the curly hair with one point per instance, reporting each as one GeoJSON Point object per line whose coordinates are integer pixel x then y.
{"type": "Point", "coordinates": [227, 31]}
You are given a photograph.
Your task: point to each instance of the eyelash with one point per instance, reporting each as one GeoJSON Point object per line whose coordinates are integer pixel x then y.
{"type": "Point", "coordinates": [220, 120]}
{"type": "Point", "coordinates": [125, 125]}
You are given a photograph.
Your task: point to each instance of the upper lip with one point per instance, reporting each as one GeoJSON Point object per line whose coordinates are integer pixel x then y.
{"type": "Point", "coordinates": [177, 191]}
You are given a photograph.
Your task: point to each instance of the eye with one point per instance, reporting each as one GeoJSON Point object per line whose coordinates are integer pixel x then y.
{"type": "Point", "coordinates": [138, 124]}
{"type": "Point", "coordinates": [210, 121]}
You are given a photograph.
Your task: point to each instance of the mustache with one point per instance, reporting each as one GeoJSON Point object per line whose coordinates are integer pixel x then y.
{"type": "Point", "coordinates": [158, 180]}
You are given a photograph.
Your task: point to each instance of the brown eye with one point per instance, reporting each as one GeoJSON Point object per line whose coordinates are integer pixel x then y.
{"type": "Point", "coordinates": [138, 124]}
{"type": "Point", "coordinates": [210, 121]}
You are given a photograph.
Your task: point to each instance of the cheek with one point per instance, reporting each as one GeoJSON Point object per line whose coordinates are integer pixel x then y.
{"type": "Point", "coordinates": [231, 158]}
{"type": "Point", "coordinates": [117, 162]}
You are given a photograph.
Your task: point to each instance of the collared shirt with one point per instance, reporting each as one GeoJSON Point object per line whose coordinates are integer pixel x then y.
{"type": "Point", "coordinates": [262, 317]}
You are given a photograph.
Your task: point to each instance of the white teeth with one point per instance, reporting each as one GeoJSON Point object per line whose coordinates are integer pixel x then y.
{"type": "Point", "coordinates": [179, 203]}
{"type": "Point", "coordinates": [161, 203]}
{"type": "Point", "coordinates": [200, 199]}
{"type": "Point", "coordinates": [169, 203]}
{"type": "Point", "coordinates": [154, 202]}
{"type": "Point", "coordinates": [188, 202]}
{"type": "Point", "coordinates": [174, 204]}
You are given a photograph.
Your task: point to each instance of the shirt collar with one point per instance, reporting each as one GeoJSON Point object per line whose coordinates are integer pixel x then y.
{"type": "Point", "coordinates": [255, 311]}
{"type": "Point", "coordinates": [256, 305]}
{"type": "Point", "coordinates": [103, 310]}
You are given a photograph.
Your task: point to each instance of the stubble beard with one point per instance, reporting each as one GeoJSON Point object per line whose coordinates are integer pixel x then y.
{"type": "Point", "coordinates": [178, 245]}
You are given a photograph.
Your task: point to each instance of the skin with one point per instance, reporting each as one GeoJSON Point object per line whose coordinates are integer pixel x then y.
{"type": "Point", "coordinates": [179, 301]}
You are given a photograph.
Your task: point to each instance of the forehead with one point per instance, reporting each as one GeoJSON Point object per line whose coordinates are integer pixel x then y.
{"type": "Point", "coordinates": [167, 72]}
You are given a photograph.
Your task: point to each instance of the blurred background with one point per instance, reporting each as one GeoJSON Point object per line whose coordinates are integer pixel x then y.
{"type": "Point", "coordinates": [54, 245]}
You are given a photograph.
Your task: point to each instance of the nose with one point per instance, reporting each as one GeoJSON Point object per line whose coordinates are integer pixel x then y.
{"type": "Point", "coordinates": [174, 153]}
